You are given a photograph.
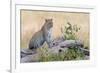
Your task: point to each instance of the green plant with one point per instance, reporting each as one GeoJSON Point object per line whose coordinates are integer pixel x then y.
{"type": "Point", "coordinates": [73, 53]}
{"type": "Point", "coordinates": [45, 56]}
{"type": "Point", "coordinates": [70, 31]}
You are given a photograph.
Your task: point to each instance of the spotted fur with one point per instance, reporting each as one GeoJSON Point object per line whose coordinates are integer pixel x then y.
{"type": "Point", "coordinates": [44, 35]}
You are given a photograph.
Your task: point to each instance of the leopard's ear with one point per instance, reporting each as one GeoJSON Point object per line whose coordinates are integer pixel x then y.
{"type": "Point", "coordinates": [51, 19]}
{"type": "Point", "coordinates": [46, 20]}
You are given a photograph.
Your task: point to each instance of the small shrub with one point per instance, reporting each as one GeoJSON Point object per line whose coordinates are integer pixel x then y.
{"type": "Point", "coordinates": [72, 53]}
{"type": "Point", "coordinates": [45, 56]}
{"type": "Point", "coordinates": [70, 31]}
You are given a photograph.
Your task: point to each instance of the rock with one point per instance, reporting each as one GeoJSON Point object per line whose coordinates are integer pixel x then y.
{"type": "Point", "coordinates": [58, 45]}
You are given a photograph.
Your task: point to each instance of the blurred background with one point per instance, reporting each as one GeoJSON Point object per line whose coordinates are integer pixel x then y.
{"type": "Point", "coordinates": [32, 21]}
